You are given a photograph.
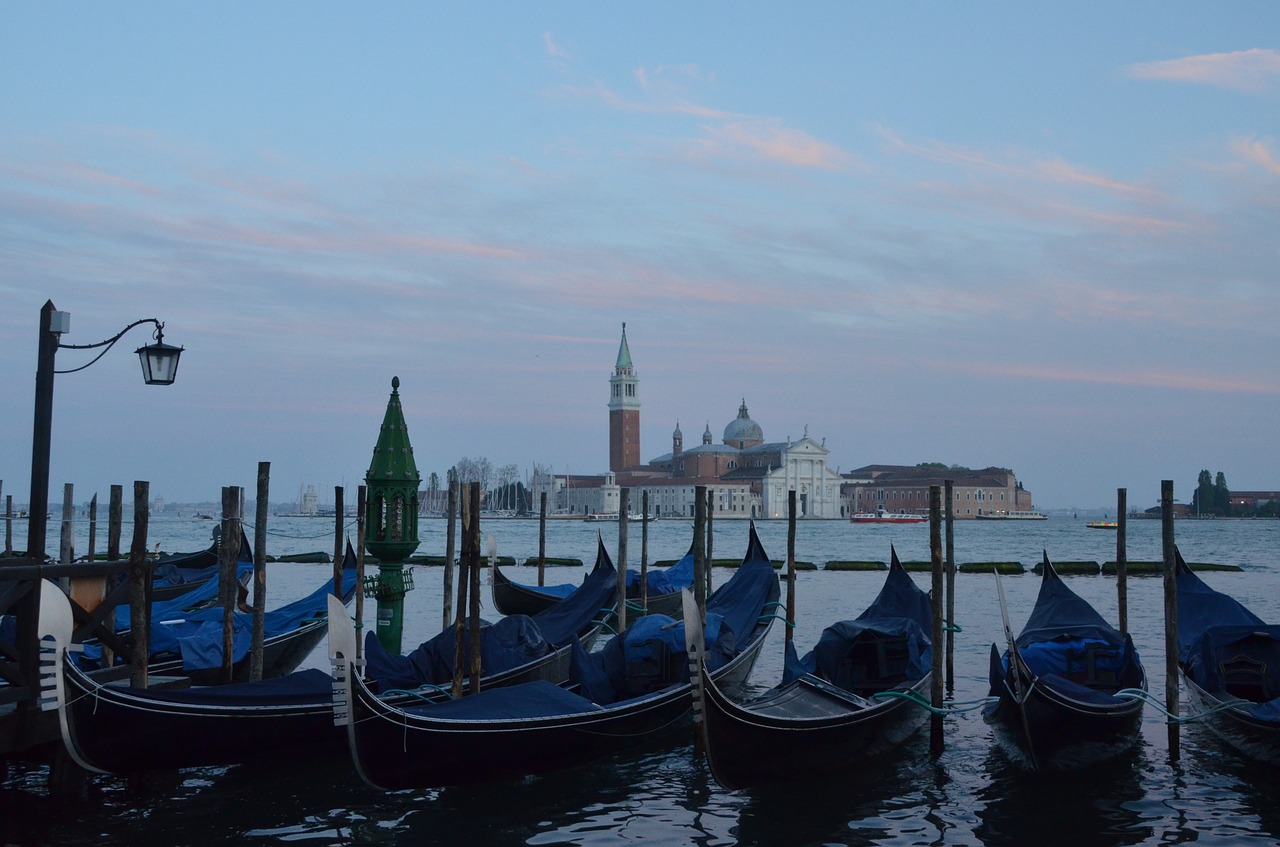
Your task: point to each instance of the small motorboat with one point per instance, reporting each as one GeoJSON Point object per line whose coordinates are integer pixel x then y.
{"type": "Point", "coordinates": [882, 516]}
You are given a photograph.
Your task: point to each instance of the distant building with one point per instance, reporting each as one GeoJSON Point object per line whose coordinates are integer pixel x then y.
{"type": "Point", "coordinates": [1253, 499]}
{"type": "Point", "coordinates": [745, 476]}
{"type": "Point", "coordinates": [902, 488]}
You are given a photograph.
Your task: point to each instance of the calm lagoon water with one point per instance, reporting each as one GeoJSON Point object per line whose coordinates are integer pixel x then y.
{"type": "Point", "coordinates": [971, 795]}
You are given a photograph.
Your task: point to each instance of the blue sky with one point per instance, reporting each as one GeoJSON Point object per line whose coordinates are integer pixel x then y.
{"type": "Point", "coordinates": [1000, 234]}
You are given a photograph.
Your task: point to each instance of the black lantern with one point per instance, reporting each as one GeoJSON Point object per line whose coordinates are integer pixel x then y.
{"type": "Point", "coordinates": [159, 361]}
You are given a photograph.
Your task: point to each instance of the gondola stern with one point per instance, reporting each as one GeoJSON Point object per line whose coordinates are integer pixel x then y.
{"type": "Point", "coordinates": [55, 626]}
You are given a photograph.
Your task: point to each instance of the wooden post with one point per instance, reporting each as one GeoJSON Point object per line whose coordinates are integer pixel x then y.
{"type": "Point", "coordinates": [66, 551]}
{"type": "Point", "coordinates": [115, 510]}
{"type": "Point", "coordinates": [92, 552]}
{"type": "Point", "coordinates": [115, 522]}
{"type": "Point", "coordinates": [700, 565]}
{"type": "Point", "coordinates": [624, 509]}
{"type": "Point", "coordinates": [949, 512]}
{"type": "Point", "coordinates": [935, 555]}
{"type": "Point", "coordinates": [1122, 560]}
{"type": "Point", "coordinates": [8, 524]}
{"type": "Point", "coordinates": [464, 503]}
{"type": "Point", "coordinates": [139, 580]}
{"type": "Point", "coordinates": [542, 538]}
{"type": "Point", "coordinates": [473, 571]}
{"type": "Point", "coordinates": [259, 570]}
{"type": "Point", "coordinates": [711, 512]}
{"type": "Point", "coordinates": [1170, 614]}
{"type": "Point", "coordinates": [450, 539]}
{"type": "Point", "coordinates": [644, 553]}
{"type": "Point", "coordinates": [228, 552]}
{"type": "Point", "coordinates": [339, 549]}
{"type": "Point", "coordinates": [87, 591]}
{"type": "Point", "coordinates": [362, 503]}
{"type": "Point", "coordinates": [791, 564]}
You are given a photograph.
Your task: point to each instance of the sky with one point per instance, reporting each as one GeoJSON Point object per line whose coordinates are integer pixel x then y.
{"type": "Point", "coordinates": [1040, 237]}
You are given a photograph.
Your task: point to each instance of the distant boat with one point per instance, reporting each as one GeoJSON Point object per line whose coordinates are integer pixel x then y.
{"type": "Point", "coordinates": [595, 517]}
{"type": "Point", "coordinates": [881, 516]}
{"type": "Point", "coordinates": [1012, 516]}
{"type": "Point", "coordinates": [1103, 525]}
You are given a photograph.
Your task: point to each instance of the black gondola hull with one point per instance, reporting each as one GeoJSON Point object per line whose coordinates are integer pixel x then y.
{"type": "Point", "coordinates": [121, 730]}
{"type": "Point", "coordinates": [745, 747]}
{"type": "Point", "coordinates": [394, 749]}
{"type": "Point", "coordinates": [1053, 732]}
{"type": "Point", "coordinates": [1255, 738]}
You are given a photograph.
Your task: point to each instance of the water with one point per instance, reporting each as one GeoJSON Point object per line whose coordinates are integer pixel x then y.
{"type": "Point", "coordinates": [972, 795]}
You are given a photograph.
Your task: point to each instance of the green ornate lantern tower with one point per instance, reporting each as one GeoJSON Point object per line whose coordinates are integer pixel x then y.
{"type": "Point", "coordinates": [391, 520]}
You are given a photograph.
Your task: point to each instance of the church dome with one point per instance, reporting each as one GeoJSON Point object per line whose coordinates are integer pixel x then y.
{"type": "Point", "coordinates": [742, 431]}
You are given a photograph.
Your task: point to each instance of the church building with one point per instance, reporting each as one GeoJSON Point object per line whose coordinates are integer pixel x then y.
{"type": "Point", "coordinates": [746, 476]}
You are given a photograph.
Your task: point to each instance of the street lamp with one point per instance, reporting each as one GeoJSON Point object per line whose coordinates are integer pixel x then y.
{"type": "Point", "coordinates": [159, 367]}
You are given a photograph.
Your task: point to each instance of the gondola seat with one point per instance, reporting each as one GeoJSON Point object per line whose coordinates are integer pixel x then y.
{"type": "Point", "coordinates": [1246, 678]}
{"type": "Point", "coordinates": [874, 663]}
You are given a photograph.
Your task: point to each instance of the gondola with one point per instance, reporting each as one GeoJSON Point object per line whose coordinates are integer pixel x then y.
{"type": "Point", "coordinates": [844, 702]}
{"type": "Point", "coordinates": [191, 643]}
{"type": "Point", "coordinates": [663, 595]}
{"type": "Point", "coordinates": [177, 574]}
{"type": "Point", "coordinates": [1057, 691]}
{"type": "Point", "coordinates": [1230, 662]}
{"type": "Point", "coordinates": [113, 729]}
{"type": "Point", "coordinates": [631, 693]}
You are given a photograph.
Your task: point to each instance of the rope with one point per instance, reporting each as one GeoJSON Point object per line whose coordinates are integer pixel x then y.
{"type": "Point", "coordinates": [943, 711]}
{"type": "Point", "coordinates": [419, 692]}
{"type": "Point", "coordinates": [1150, 700]}
{"type": "Point", "coordinates": [948, 626]}
{"type": "Point", "coordinates": [764, 618]}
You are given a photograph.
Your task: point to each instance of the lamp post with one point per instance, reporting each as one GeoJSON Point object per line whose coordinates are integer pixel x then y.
{"type": "Point", "coordinates": [159, 367]}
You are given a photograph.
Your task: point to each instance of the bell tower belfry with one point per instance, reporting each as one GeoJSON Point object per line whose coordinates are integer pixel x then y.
{"type": "Point", "coordinates": [624, 411]}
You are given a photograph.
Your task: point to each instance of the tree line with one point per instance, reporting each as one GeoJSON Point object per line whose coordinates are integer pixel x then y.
{"type": "Point", "coordinates": [501, 487]}
{"type": "Point", "coordinates": [1213, 497]}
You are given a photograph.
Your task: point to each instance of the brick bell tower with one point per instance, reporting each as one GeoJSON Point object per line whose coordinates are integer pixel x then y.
{"type": "Point", "coordinates": [624, 412]}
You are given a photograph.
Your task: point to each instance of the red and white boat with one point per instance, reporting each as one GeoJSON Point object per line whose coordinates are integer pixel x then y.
{"type": "Point", "coordinates": [881, 516]}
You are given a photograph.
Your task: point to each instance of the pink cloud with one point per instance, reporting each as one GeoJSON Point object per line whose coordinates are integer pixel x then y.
{"type": "Point", "coordinates": [1244, 70]}
{"type": "Point", "coordinates": [770, 140]}
{"type": "Point", "coordinates": [1257, 153]}
{"type": "Point", "coordinates": [553, 49]}
{"type": "Point", "coordinates": [1147, 379]}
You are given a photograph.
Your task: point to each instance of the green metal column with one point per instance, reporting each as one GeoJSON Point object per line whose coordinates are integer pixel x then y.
{"type": "Point", "coordinates": [391, 518]}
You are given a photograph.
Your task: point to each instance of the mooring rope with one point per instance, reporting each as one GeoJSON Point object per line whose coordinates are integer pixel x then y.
{"type": "Point", "coordinates": [1149, 699]}
{"type": "Point", "coordinates": [956, 707]}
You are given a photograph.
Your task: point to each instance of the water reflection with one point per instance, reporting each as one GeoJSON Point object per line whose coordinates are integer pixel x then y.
{"type": "Point", "coordinates": [882, 801]}
{"type": "Point", "coordinates": [1099, 806]}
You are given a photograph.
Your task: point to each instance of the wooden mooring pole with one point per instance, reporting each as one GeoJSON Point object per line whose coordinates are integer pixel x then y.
{"type": "Point", "coordinates": [935, 555]}
{"type": "Point", "coordinates": [259, 569]}
{"type": "Point", "coordinates": [711, 517]}
{"type": "Point", "coordinates": [362, 504]}
{"type": "Point", "coordinates": [473, 574]}
{"type": "Point", "coordinates": [791, 566]}
{"type": "Point", "coordinates": [644, 553]}
{"type": "Point", "coordinates": [700, 563]}
{"type": "Point", "coordinates": [115, 522]}
{"type": "Point", "coordinates": [1122, 561]}
{"type": "Point", "coordinates": [93, 529]}
{"type": "Point", "coordinates": [228, 554]}
{"type": "Point", "coordinates": [66, 541]}
{"type": "Point", "coordinates": [450, 548]}
{"type": "Point", "coordinates": [339, 549]}
{"type": "Point", "coordinates": [950, 517]}
{"type": "Point", "coordinates": [542, 538]}
{"type": "Point", "coordinates": [464, 503]}
{"type": "Point", "coordinates": [1170, 615]}
{"type": "Point", "coordinates": [139, 585]}
{"type": "Point", "coordinates": [624, 508]}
